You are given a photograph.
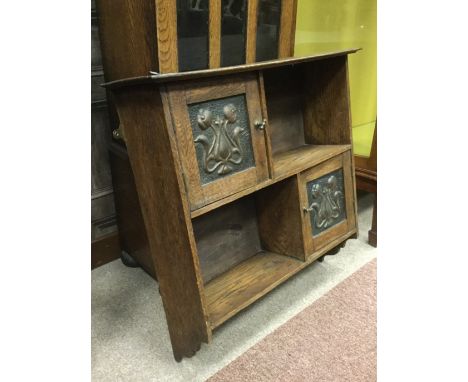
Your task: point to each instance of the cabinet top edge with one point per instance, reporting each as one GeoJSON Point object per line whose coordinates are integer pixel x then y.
{"type": "Point", "coordinates": [156, 78]}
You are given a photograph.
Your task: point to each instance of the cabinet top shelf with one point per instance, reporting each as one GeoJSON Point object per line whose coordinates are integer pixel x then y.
{"type": "Point", "coordinates": [171, 77]}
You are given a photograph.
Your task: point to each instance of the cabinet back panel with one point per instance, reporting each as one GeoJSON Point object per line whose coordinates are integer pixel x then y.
{"type": "Point", "coordinates": [226, 237]}
{"type": "Point", "coordinates": [284, 97]}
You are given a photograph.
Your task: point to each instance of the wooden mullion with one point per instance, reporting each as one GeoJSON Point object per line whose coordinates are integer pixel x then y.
{"type": "Point", "coordinates": [166, 16]}
{"type": "Point", "coordinates": [287, 28]}
{"type": "Point", "coordinates": [215, 33]}
{"type": "Point", "coordinates": [251, 43]}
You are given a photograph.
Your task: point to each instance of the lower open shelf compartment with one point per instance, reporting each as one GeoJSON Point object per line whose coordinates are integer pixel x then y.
{"type": "Point", "coordinates": [252, 244]}
{"type": "Point", "coordinates": [247, 282]}
{"type": "Point", "coordinates": [250, 280]}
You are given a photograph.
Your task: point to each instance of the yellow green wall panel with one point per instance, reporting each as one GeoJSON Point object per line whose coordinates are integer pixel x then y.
{"type": "Point", "coordinates": [325, 25]}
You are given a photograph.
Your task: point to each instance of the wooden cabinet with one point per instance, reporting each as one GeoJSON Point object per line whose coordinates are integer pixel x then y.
{"type": "Point", "coordinates": [167, 36]}
{"type": "Point", "coordinates": [244, 175]}
{"type": "Point", "coordinates": [224, 150]}
{"type": "Point", "coordinates": [327, 196]}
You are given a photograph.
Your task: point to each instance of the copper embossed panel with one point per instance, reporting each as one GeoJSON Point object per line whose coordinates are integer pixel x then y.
{"type": "Point", "coordinates": [221, 134]}
{"type": "Point", "coordinates": [326, 198]}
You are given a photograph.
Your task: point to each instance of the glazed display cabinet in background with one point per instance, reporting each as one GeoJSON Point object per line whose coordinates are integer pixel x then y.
{"type": "Point", "coordinates": [149, 36]}
{"type": "Point", "coordinates": [167, 36]}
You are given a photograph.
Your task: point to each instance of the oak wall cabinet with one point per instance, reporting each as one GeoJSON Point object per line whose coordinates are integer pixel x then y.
{"type": "Point", "coordinates": [167, 36]}
{"type": "Point", "coordinates": [244, 175]}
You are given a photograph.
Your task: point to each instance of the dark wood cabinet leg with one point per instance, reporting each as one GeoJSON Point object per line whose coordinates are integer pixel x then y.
{"type": "Point", "coordinates": [128, 260]}
{"type": "Point", "coordinates": [333, 251]}
{"type": "Point", "coordinates": [373, 230]}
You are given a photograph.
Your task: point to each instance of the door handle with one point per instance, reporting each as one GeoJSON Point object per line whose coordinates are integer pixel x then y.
{"type": "Point", "coordinates": [260, 125]}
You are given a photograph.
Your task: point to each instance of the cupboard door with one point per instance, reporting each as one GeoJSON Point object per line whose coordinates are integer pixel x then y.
{"type": "Point", "coordinates": [220, 136]}
{"type": "Point", "coordinates": [327, 197]}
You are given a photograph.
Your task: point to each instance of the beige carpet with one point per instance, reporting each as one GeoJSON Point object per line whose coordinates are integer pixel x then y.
{"type": "Point", "coordinates": [332, 340]}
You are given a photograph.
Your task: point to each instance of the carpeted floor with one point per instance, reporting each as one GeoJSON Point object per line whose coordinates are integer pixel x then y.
{"type": "Point", "coordinates": [130, 341]}
{"type": "Point", "coordinates": [334, 339]}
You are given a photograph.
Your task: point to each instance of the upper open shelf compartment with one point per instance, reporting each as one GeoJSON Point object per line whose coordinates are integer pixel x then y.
{"type": "Point", "coordinates": [303, 101]}
{"type": "Point", "coordinates": [307, 107]}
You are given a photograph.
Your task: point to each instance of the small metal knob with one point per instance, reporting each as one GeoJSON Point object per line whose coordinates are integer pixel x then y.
{"type": "Point", "coordinates": [119, 133]}
{"type": "Point", "coordinates": [116, 134]}
{"type": "Point", "coordinates": [260, 125]}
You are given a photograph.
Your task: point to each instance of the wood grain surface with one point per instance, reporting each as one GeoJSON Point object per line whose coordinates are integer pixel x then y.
{"type": "Point", "coordinates": [251, 41]}
{"type": "Point", "coordinates": [297, 160]}
{"type": "Point", "coordinates": [206, 90]}
{"type": "Point", "coordinates": [240, 286]}
{"type": "Point", "coordinates": [279, 218]}
{"type": "Point", "coordinates": [284, 101]}
{"type": "Point", "coordinates": [219, 246]}
{"type": "Point", "coordinates": [132, 231]}
{"type": "Point", "coordinates": [104, 250]}
{"type": "Point", "coordinates": [288, 28]}
{"type": "Point", "coordinates": [172, 77]}
{"type": "Point", "coordinates": [244, 284]}
{"type": "Point", "coordinates": [215, 33]}
{"type": "Point", "coordinates": [129, 48]}
{"type": "Point", "coordinates": [155, 163]}
{"type": "Point", "coordinates": [315, 243]}
{"type": "Point", "coordinates": [166, 18]}
{"type": "Point", "coordinates": [326, 111]}
{"type": "Point", "coordinates": [226, 237]}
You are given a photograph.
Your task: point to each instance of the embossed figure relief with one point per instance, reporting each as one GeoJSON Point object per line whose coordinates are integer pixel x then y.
{"type": "Point", "coordinates": [326, 198]}
{"type": "Point", "coordinates": [222, 137]}
{"type": "Point", "coordinates": [224, 151]}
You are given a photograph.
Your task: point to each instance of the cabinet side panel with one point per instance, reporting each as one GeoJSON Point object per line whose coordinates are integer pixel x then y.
{"type": "Point", "coordinates": [326, 105]}
{"type": "Point", "coordinates": [154, 160]}
{"type": "Point", "coordinates": [279, 218]}
{"type": "Point", "coordinates": [128, 37]}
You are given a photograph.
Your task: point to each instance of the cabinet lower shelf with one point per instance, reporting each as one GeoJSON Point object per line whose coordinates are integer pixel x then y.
{"type": "Point", "coordinates": [244, 284]}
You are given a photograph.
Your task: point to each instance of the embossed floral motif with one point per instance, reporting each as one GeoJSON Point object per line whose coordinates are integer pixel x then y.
{"type": "Point", "coordinates": [224, 150]}
{"type": "Point", "coordinates": [326, 205]}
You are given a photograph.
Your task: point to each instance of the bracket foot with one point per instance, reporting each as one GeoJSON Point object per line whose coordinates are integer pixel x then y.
{"type": "Point", "coordinates": [128, 260]}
